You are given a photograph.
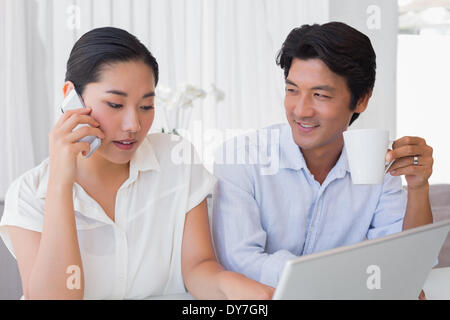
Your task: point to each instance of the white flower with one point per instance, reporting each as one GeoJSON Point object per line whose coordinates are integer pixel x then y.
{"type": "Point", "coordinates": [177, 106]}
{"type": "Point", "coordinates": [163, 96]}
{"type": "Point", "coordinates": [187, 94]}
{"type": "Point", "coordinates": [218, 94]}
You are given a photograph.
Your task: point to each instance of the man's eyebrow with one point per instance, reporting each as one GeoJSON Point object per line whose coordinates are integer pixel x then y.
{"type": "Point", "coordinates": [150, 94]}
{"type": "Point", "coordinates": [324, 87]}
{"type": "Point", "coordinates": [291, 83]}
{"type": "Point", "coordinates": [124, 94]}
{"type": "Point", "coordinates": [320, 87]}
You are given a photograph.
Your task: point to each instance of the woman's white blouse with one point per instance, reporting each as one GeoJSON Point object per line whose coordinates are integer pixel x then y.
{"type": "Point", "coordinates": [138, 255]}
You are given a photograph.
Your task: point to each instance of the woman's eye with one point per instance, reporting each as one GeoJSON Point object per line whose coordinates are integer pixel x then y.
{"type": "Point", "coordinates": [117, 106]}
{"type": "Point", "coordinates": [114, 105]}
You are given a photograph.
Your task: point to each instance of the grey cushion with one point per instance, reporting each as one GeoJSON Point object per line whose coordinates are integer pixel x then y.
{"type": "Point", "coordinates": [440, 205]}
{"type": "Point", "coordinates": [439, 214]}
{"type": "Point", "coordinates": [10, 283]}
{"type": "Point", "coordinates": [440, 195]}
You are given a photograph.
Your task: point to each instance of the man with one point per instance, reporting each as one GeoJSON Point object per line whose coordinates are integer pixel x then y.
{"type": "Point", "coordinates": [260, 221]}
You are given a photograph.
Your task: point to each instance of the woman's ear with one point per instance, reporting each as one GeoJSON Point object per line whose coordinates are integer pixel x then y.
{"type": "Point", "coordinates": [68, 86]}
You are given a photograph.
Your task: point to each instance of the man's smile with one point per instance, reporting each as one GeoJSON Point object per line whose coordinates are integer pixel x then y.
{"type": "Point", "coordinates": [305, 127]}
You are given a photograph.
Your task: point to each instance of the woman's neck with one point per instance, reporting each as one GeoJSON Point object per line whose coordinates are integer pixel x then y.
{"type": "Point", "coordinates": [97, 168]}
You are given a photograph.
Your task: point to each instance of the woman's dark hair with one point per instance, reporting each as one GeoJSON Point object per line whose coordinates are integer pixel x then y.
{"type": "Point", "coordinates": [346, 51]}
{"type": "Point", "coordinates": [102, 46]}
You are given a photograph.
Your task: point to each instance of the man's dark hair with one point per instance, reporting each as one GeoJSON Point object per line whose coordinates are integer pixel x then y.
{"type": "Point", "coordinates": [103, 46]}
{"type": "Point", "coordinates": [346, 51]}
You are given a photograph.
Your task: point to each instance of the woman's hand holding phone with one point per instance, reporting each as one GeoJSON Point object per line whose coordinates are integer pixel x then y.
{"type": "Point", "coordinates": [64, 144]}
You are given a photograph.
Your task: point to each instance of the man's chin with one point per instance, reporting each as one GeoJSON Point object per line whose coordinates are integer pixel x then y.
{"type": "Point", "coordinates": [302, 143]}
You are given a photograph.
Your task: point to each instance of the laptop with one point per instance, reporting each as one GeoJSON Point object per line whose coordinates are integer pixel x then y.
{"type": "Point", "coordinates": [391, 267]}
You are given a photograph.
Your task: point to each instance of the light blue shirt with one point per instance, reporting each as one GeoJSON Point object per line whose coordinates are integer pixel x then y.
{"type": "Point", "coordinates": [268, 209]}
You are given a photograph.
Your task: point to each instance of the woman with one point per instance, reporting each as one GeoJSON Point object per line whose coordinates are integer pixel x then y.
{"type": "Point", "coordinates": [130, 221]}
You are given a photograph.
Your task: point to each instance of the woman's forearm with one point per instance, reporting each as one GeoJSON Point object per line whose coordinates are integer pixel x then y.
{"type": "Point", "coordinates": [209, 280]}
{"type": "Point", "coordinates": [204, 281]}
{"type": "Point", "coordinates": [59, 251]}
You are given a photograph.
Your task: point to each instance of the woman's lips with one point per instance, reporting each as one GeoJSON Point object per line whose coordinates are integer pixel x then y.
{"type": "Point", "coordinates": [123, 146]}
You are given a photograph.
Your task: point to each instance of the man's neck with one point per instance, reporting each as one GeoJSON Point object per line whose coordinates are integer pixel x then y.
{"type": "Point", "coordinates": [320, 161]}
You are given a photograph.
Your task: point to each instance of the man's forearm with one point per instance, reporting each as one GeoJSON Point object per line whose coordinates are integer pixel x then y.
{"type": "Point", "coordinates": [418, 208]}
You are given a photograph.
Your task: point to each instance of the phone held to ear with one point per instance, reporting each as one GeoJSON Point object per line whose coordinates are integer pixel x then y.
{"type": "Point", "coordinates": [73, 101]}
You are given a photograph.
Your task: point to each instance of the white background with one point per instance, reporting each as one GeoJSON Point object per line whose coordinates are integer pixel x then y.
{"type": "Point", "coordinates": [423, 96]}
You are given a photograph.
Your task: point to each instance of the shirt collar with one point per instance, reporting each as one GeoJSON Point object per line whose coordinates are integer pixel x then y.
{"type": "Point", "coordinates": [341, 167]}
{"type": "Point", "coordinates": [144, 159]}
{"type": "Point", "coordinates": [292, 157]}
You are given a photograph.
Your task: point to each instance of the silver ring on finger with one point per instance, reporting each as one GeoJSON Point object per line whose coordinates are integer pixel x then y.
{"type": "Point", "coordinates": [416, 160]}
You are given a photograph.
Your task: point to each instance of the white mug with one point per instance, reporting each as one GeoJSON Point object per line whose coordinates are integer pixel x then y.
{"type": "Point", "coordinates": [366, 152]}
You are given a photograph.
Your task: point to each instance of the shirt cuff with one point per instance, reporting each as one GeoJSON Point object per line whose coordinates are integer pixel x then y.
{"type": "Point", "coordinates": [273, 267]}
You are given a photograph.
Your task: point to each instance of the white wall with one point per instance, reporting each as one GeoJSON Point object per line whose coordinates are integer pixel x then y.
{"type": "Point", "coordinates": [423, 96]}
{"type": "Point", "coordinates": [378, 19]}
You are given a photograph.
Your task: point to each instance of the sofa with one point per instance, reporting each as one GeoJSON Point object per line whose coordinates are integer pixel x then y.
{"type": "Point", "coordinates": [10, 286]}
{"type": "Point", "coordinates": [440, 205]}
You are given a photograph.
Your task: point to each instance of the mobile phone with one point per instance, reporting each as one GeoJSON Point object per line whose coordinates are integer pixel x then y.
{"type": "Point", "coordinates": [74, 101]}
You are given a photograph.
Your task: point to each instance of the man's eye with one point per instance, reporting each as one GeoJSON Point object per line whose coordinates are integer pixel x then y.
{"type": "Point", "coordinates": [321, 95]}
{"type": "Point", "coordinates": [147, 107]}
{"type": "Point", "coordinates": [114, 105]}
{"type": "Point", "coordinates": [290, 90]}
